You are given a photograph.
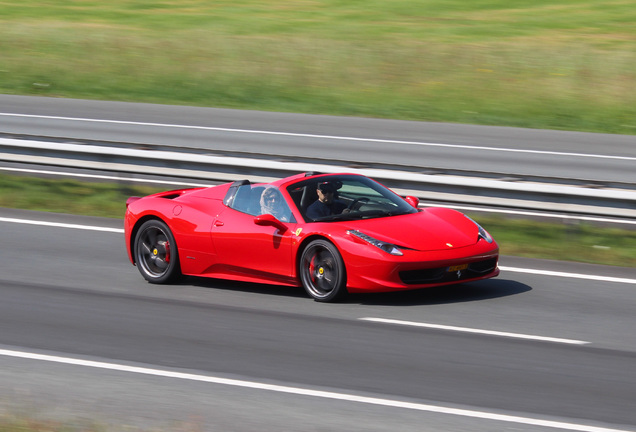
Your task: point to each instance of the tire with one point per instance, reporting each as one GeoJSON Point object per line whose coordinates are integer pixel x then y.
{"type": "Point", "coordinates": [156, 253]}
{"type": "Point", "coordinates": [322, 271]}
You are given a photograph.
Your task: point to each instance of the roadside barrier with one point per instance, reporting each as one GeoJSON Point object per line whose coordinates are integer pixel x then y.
{"type": "Point", "coordinates": [464, 189]}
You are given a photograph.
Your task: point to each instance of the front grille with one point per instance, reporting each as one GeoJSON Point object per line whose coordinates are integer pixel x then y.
{"type": "Point", "coordinates": [485, 266]}
{"type": "Point", "coordinates": [441, 274]}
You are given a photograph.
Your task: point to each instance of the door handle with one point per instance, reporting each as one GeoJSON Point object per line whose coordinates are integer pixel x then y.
{"type": "Point", "coordinates": [218, 223]}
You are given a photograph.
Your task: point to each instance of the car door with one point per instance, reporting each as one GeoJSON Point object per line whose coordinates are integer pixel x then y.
{"type": "Point", "coordinates": [262, 251]}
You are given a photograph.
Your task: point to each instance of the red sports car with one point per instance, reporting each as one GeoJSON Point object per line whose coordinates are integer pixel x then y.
{"type": "Point", "coordinates": [330, 233]}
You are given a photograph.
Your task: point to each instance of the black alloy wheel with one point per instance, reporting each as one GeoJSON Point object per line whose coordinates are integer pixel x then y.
{"type": "Point", "coordinates": [322, 271]}
{"type": "Point", "coordinates": [156, 252]}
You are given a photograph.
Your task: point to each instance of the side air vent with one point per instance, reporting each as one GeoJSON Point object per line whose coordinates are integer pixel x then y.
{"type": "Point", "coordinates": [171, 196]}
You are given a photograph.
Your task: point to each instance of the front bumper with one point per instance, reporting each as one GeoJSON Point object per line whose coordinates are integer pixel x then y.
{"type": "Point", "coordinates": [415, 270]}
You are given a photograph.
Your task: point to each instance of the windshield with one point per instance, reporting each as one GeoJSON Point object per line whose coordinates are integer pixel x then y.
{"type": "Point", "coordinates": [349, 197]}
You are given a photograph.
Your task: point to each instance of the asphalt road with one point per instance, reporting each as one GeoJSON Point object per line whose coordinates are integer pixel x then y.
{"type": "Point", "coordinates": [512, 152]}
{"type": "Point", "coordinates": [70, 295]}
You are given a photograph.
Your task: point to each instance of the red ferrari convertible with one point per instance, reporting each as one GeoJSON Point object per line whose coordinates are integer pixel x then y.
{"type": "Point", "coordinates": [330, 233]}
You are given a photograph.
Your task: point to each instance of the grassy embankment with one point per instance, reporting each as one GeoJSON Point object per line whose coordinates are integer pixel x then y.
{"type": "Point", "coordinates": [557, 64]}
{"type": "Point", "coordinates": [575, 242]}
{"type": "Point", "coordinates": [16, 424]}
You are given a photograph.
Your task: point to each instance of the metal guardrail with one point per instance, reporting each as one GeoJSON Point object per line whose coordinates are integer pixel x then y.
{"type": "Point", "coordinates": [615, 202]}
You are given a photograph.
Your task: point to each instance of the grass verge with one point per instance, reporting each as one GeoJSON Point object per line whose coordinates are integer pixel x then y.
{"type": "Point", "coordinates": [557, 64]}
{"type": "Point", "coordinates": [560, 241]}
{"type": "Point", "coordinates": [30, 425]}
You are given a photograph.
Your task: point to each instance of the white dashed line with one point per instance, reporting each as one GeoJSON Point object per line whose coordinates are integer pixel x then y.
{"type": "Point", "coordinates": [477, 331]}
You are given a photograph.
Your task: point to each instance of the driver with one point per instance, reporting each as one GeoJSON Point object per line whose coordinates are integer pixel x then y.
{"type": "Point", "coordinates": [326, 204]}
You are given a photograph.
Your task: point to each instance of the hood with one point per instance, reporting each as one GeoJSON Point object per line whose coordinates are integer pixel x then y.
{"type": "Point", "coordinates": [428, 230]}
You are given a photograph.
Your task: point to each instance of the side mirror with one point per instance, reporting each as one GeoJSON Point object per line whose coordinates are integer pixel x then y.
{"type": "Point", "coordinates": [414, 201]}
{"type": "Point", "coordinates": [269, 220]}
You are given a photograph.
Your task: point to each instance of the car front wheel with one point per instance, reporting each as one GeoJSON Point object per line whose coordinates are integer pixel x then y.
{"type": "Point", "coordinates": [156, 252]}
{"type": "Point", "coordinates": [322, 271]}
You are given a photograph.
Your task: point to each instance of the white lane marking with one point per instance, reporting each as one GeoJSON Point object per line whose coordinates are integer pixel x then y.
{"type": "Point", "coordinates": [331, 137]}
{"type": "Point", "coordinates": [472, 330]}
{"type": "Point", "coordinates": [62, 225]}
{"type": "Point", "coordinates": [569, 275]}
{"type": "Point", "coordinates": [309, 392]}
{"type": "Point", "coordinates": [504, 268]}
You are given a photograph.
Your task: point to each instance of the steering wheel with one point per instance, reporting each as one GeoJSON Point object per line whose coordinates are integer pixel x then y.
{"type": "Point", "coordinates": [352, 206]}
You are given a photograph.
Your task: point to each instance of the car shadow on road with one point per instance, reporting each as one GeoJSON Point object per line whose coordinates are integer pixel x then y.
{"type": "Point", "coordinates": [466, 292]}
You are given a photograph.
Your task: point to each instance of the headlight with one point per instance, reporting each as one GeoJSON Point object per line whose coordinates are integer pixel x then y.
{"type": "Point", "coordinates": [386, 247]}
{"type": "Point", "coordinates": [482, 232]}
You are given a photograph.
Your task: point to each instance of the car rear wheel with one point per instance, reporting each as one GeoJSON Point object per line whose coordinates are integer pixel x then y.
{"type": "Point", "coordinates": [322, 271]}
{"type": "Point", "coordinates": [156, 252]}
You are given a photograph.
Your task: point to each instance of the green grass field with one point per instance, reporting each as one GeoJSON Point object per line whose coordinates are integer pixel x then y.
{"type": "Point", "coordinates": [573, 242]}
{"type": "Point", "coordinates": [557, 64]}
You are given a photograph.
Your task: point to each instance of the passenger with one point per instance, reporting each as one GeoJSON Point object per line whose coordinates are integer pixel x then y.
{"type": "Point", "coordinates": [272, 203]}
{"type": "Point", "coordinates": [326, 204]}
